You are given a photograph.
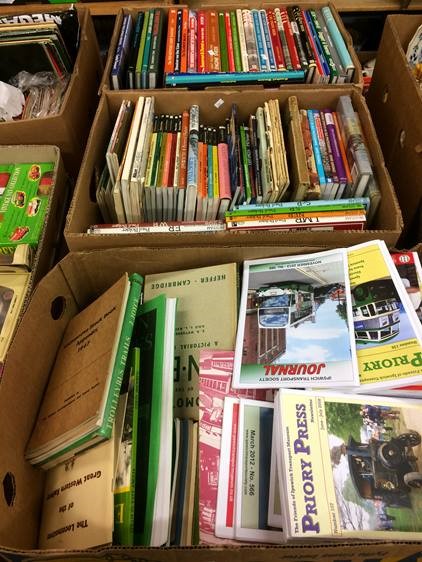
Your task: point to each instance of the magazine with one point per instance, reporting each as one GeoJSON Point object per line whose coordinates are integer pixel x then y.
{"type": "Point", "coordinates": [367, 450]}
{"type": "Point", "coordinates": [387, 330]}
{"type": "Point", "coordinates": [295, 323]}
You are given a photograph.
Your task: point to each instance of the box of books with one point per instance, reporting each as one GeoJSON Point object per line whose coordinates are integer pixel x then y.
{"type": "Point", "coordinates": [396, 86]}
{"type": "Point", "coordinates": [101, 463]}
{"type": "Point", "coordinates": [258, 167]}
{"type": "Point", "coordinates": [53, 80]}
{"type": "Point", "coordinates": [230, 45]}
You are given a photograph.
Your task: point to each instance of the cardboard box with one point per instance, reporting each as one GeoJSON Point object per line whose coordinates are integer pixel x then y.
{"type": "Point", "coordinates": [70, 127]}
{"type": "Point", "coordinates": [395, 101]}
{"type": "Point", "coordinates": [106, 83]}
{"type": "Point", "coordinates": [215, 106]}
{"type": "Point", "coordinates": [72, 284]}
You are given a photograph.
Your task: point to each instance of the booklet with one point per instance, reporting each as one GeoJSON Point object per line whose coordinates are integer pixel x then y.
{"type": "Point", "coordinates": [295, 323]}
{"type": "Point", "coordinates": [349, 465]}
{"type": "Point", "coordinates": [387, 330]}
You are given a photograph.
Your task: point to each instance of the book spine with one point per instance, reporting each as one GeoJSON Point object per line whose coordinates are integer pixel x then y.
{"type": "Point", "coordinates": [155, 48]}
{"type": "Point", "coordinates": [153, 142]}
{"type": "Point", "coordinates": [223, 165]}
{"type": "Point", "coordinates": [201, 41]}
{"type": "Point", "coordinates": [130, 80]}
{"type": "Point", "coordinates": [326, 51]}
{"type": "Point", "coordinates": [184, 149]}
{"type": "Point", "coordinates": [223, 42]}
{"type": "Point", "coordinates": [339, 42]}
{"type": "Point", "coordinates": [147, 50]}
{"type": "Point", "coordinates": [262, 56]}
{"type": "Point", "coordinates": [184, 46]}
{"type": "Point", "coordinates": [318, 73]}
{"type": "Point", "coordinates": [192, 42]}
{"type": "Point", "coordinates": [283, 39]}
{"type": "Point", "coordinates": [136, 284]}
{"type": "Point", "coordinates": [140, 57]}
{"type": "Point", "coordinates": [192, 163]}
{"type": "Point", "coordinates": [315, 146]}
{"type": "Point", "coordinates": [352, 222]}
{"type": "Point", "coordinates": [245, 165]}
{"type": "Point", "coordinates": [318, 48]}
{"type": "Point", "coordinates": [342, 74]}
{"type": "Point", "coordinates": [338, 160]}
{"type": "Point", "coordinates": [158, 227]}
{"type": "Point", "coordinates": [292, 206]}
{"type": "Point", "coordinates": [171, 41]}
{"type": "Point", "coordinates": [251, 45]}
{"type": "Point", "coordinates": [177, 153]}
{"type": "Point", "coordinates": [268, 42]}
{"type": "Point", "coordinates": [215, 179]}
{"type": "Point", "coordinates": [327, 216]}
{"type": "Point", "coordinates": [242, 40]}
{"type": "Point", "coordinates": [251, 169]}
{"type": "Point", "coordinates": [236, 42]}
{"type": "Point", "coordinates": [342, 149]}
{"type": "Point", "coordinates": [333, 190]}
{"type": "Point", "coordinates": [213, 47]}
{"type": "Point", "coordinates": [178, 45]}
{"type": "Point", "coordinates": [230, 47]}
{"type": "Point", "coordinates": [297, 14]}
{"type": "Point", "coordinates": [290, 39]}
{"type": "Point", "coordinates": [118, 57]}
{"type": "Point", "coordinates": [275, 39]}
{"type": "Point", "coordinates": [323, 151]}
{"type": "Point", "coordinates": [297, 39]}
{"type": "Point", "coordinates": [253, 131]}
{"type": "Point", "coordinates": [309, 151]}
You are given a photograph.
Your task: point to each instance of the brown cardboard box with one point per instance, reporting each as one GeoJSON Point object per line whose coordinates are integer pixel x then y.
{"type": "Point", "coordinates": [215, 106]}
{"type": "Point", "coordinates": [105, 82]}
{"type": "Point", "coordinates": [395, 102]}
{"type": "Point", "coordinates": [72, 284]}
{"type": "Point", "coordinates": [69, 129]}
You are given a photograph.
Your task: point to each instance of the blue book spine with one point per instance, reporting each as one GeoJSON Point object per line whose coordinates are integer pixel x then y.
{"type": "Point", "coordinates": [186, 79]}
{"type": "Point", "coordinates": [147, 50]}
{"type": "Point", "coordinates": [271, 59]}
{"type": "Point", "coordinates": [118, 62]}
{"type": "Point", "coordinates": [300, 205]}
{"type": "Point", "coordinates": [315, 146]}
{"type": "Point", "coordinates": [338, 40]}
{"type": "Point", "coordinates": [263, 62]}
{"type": "Point", "coordinates": [318, 45]}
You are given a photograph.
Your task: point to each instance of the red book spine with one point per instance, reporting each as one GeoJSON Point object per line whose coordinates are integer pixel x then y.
{"type": "Point", "coordinates": [230, 51]}
{"type": "Point", "coordinates": [171, 41]}
{"type": "Point", "coordinates": [192, 42]}
{"type": "Point", "coordinates": [202, 41]}
{"type": "Point", "coordinates": [290, 39]}
{"type": "Point", "coordinates": [311, 42]}
{"type": "Point", "coordinates": [184, 49]}
{"type": "Point", "coordinates": [184, 150]}
{"type": "Point", "coordinates": [275, 40]}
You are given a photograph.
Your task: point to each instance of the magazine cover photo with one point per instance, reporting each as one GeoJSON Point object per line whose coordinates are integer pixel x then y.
{"type": "Point", "coordinates": [294, 323]}
{"type": "Point", "coordinates": [376, 460]}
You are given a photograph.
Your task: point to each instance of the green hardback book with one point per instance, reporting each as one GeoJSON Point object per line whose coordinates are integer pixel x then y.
{"type": "Point", "coordinates": [244, 152]}
{"type": "Point", "coordinates": [154, 332]}
{"type": "Point", "coordinates": [236, 43]}
{"type": "Point", "coordinates": [124, 490]}
{"type": "Point", "coordinates": [223, 42]}
{"type": "Point", "coordinates": [78, 411]}
{"type": "Point", "coordinates": [147, 50]}
{"type": "Point", "coordinates": [140, 56]}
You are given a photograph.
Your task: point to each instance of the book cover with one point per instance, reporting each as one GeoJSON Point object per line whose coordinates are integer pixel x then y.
{"type": "Point", "coordinates": [387, 330]}
{"type": "Point", "coordinates": [306, 299]}
{"type": "Point", "coordinates": [196, 329]}
{"type": "Point", "coordinates": [25, 190]}
{"type": "Point", "coordinates": [215, 377]}
{"type": "Point", "coordinates": [410, 271]}
{"type": "Point", "coordinates": [79, 410]}
{"type": "Point", "coordinates": [367, 448]}
{"type": "Point", "coordinates": [154, 331]}
{"type": "Point", "coordinates": [253, 472]}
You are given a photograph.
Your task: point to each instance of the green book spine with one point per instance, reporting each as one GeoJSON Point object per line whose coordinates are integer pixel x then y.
{"type": "Point", "coordinates": [156, 160]}
{"type": "Point", "coordinates": [244, 152]}
{"type": "Point", "coordinates": [125, 480]}
{"type": "Point", "coordinates": [298, 210]}
{"type": "Point", "coordinates": [136, 283]}
{"type": "Point", "coordinates": [236, 43]}
{"type": "Point", "coordinates": [138, 67]}
{"type": "Point", "coordinates": [223, 42]}
{"type": "Point", "coordinates": [147, 50]}
{"type": "Point", "coordinates": [133, 55]}
{"type": "Point", "coordinates": [150, 335]}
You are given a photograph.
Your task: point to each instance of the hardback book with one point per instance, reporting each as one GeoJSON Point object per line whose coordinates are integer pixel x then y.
{"type": "Point", "coordinates": [387, 330]}
{"type": "Point", "coordinates": [116, 146]}
{"type": "Point", "coordinates": [79, 403]}
{"type": "Point", "coordinates": [78, 495]}
{"type": "Point", "coordinates": [349, 465]}
{"type": "Point", "coordinates": [215, 378]}
{"type": "Point", "coordinates": [295, 323]}
{"type": "Point", "coordinates": [154, 333]}
{"type": "Point", "coordinates": [206, 318]}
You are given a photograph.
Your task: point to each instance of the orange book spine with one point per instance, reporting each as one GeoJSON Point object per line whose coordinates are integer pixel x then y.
{"type": "Point", "coordinates": [213, 46]}
{"type": "Point", "coordinates": [171, 41]}
{"type": "Point", "coordinates": [184, 150]}
{"type": "Point", "coordinates": [342, 150]}
{"type": "Point", "coordinates": [184, 49]}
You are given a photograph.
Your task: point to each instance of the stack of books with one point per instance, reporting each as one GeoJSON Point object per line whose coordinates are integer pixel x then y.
{"type": "Point", "coordinates": [208, 47]}
{"type": "Point", "coordinates": [163, 168]}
